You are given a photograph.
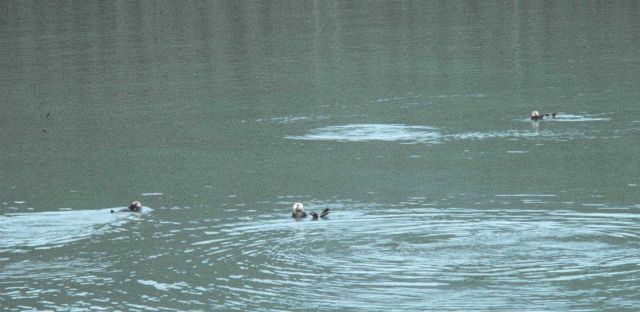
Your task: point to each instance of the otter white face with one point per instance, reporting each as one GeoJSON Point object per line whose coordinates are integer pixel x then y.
{"type": "Point", "coordinates": [298, 207]}
{"type": "Point", "coordinates": [136, 204]}
{"type": "Point", "coordinates": [535, 114]}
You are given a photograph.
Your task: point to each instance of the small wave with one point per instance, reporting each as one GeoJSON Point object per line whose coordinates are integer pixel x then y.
{"type": "Point", "coordinates": [151, 194]}
{"type": "Point", "coordinates": [163, 286]}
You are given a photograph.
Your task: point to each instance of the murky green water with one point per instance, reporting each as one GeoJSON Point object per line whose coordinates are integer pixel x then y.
{"type": "Point", "coordinates": [407, 118]}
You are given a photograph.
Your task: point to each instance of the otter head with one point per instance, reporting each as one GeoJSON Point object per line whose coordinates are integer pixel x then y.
{"type": "Point", "coordinates": [298, 210]}
{"type": "Point", "coordinates": [135, 206]}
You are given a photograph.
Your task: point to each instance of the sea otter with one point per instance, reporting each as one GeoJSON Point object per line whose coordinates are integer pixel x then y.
{"type": "Point", "coordinates": [299, 213]}
{"type": "Point", "coordinates": [536, 116]}
{"type": "Point", "coordinates": [135, 206]}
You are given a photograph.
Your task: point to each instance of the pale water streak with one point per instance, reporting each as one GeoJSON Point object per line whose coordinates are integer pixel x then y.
{"type": "Point", "coordinates": [372, 132]}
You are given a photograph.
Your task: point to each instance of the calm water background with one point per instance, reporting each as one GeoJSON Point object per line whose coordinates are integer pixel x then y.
{"type": "Point", "coordinates": [407, 118]}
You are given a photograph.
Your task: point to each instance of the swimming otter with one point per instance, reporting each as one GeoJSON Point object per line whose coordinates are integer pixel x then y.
{"type": "Point", "coordinates": [323, 214]}
{"type": "Point", "coordinates": [135, 206]}
{"type": "Point", "coordinates": [536, 116]}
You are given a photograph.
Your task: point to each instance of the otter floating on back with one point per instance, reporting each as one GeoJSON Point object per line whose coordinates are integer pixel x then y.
{"type": "Point", "coordinates": [536, 116]}
{"type": "Point", "coordinates": [135, 206]}
{"type": "Point", "coordinates": [299, 213]}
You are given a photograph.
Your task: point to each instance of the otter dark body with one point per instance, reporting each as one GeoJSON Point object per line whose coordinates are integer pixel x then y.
{"type": "Point", "coordinates": [299, 215]}
{"type": "Point", "coordinates": [135, 208]}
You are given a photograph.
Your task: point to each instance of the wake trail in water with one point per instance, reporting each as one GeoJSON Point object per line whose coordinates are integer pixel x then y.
{"type": "Point", "coordinates": [425, 134]}
{"type": "Point", "coordinates": [44, 230]}
{"type": "Point", "coordinates": [372, 132]}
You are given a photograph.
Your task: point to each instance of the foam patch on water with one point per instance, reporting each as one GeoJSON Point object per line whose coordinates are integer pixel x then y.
{"type": "Point", "coordinates": [50, 229]}
{"type": "Point", "coordinates": [373, 132]}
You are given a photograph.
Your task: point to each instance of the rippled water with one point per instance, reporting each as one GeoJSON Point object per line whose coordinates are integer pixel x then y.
{"type": "Point", "coordinates": [413, 253]}
{"type": "Point", "coordinates": [407, 119]}
{"type": "Point", "coordinates": [419, 255]}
